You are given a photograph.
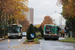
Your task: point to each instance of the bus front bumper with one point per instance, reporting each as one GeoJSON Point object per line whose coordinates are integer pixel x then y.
{"type": "Point", "coordinates": [51, 36]}
{"type": "Point", "coordinates": [14, 36]}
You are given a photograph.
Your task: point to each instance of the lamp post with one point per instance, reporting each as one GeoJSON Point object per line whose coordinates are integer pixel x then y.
{"type": "Point", "coordinates": [60, 20]}
{"type": "Point", "coordinates": [54, 22]}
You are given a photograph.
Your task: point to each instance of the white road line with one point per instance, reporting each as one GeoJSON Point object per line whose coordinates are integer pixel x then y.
{"type": "Point", "coordinates": [39, 48]}
{"type": "Point", "coordinates": [40, 45]}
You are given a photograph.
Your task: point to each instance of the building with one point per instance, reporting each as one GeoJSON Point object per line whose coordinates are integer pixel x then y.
{"type": "Point", "coordinates": [29, 15]}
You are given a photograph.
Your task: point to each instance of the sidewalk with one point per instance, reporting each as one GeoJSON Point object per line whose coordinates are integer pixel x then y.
{"type": "Point", "coordinates": [2, 39]}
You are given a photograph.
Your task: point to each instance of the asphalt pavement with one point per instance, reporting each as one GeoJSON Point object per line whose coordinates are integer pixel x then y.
{"type": "Point", "coordinates": [56, 45]}
{"type": "Point", "coordinates": [9, 44]}
{"type": "Point", "coordinates": [16, 44]}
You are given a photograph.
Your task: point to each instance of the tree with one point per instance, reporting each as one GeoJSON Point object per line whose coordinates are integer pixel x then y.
{"type": "Point", "coordinates": [0, 24]}
{"type": "Point", "coordinates": [36, 29]}
{"type": "Point", "coordinates": [68, 8]}
{"type": "Point", "coordinates": [69, 13]}
{"type": "Point", "coordinates": [47, 20]}
{"type": "Point", "coordinates": [13, 8]}
{"type": "Point", "coordinates": [40, 30]}
{"type": "Point", "coordinates": [25, 25]}
{"type": "Point", "coordinates": [30, 31]}
{"type": "Point", "coordinates": [70, 24]}
{"type": "Point", "coordinates": [37, 26]}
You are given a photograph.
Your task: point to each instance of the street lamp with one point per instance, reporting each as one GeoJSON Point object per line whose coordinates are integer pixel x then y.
{"type": "Point", "coordinates": [60, 19]}
{"type": "Point", "coordinates": [54, 22]}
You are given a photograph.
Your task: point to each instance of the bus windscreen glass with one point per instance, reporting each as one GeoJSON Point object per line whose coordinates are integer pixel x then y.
{"type": "Point", "coordinates": [14, 29]}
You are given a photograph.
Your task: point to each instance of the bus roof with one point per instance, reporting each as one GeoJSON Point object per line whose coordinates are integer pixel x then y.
{"type": "Point", "coordinates": [50, 24]}
{"type": "Point", "coordinates": [18, 25]}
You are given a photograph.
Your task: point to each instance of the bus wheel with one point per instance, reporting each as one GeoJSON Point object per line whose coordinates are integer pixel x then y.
{"type": "Point", "coordinates": [56, 38]}
{"type": "Point", "coordinates": [20, 37]}
{"type": "Point", "coordinates": [45, 38]}
{"type": "Point", "coordinates": [8, 37]}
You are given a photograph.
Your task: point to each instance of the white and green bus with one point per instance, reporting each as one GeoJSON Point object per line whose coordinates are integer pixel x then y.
{"type": "Point", "coordinates": [51, 31]}
{"type": "Point", "coordinates": [14, 31]}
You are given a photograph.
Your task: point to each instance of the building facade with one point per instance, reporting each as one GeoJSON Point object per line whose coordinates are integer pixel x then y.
{"type": "Point", "coordinates": [30, 15]}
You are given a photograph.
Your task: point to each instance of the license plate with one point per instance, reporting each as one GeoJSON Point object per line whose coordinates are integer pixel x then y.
{"type": "Point", "coordinates": [52, 33]}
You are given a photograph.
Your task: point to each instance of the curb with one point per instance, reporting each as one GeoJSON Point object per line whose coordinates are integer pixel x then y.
{"type": "Point", "coordinates": [66, 41]}
{"type": "Point", "coordinates": [3, 39]}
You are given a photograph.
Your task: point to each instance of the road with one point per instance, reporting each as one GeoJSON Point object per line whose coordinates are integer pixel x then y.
{"type": "Point", "coordinates": [56, 45]}
{"type": "Point", "coordinates": [9, 44]}
{"type": "Point", "coordinates": [16, 44]}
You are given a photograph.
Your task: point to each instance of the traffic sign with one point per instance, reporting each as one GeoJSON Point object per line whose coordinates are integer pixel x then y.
{"type": "Point", "coordinates": [31, 35]}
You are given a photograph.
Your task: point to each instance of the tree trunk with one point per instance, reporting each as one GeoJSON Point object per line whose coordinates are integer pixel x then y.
{"type": "Point", "coordinates": [74, 34]}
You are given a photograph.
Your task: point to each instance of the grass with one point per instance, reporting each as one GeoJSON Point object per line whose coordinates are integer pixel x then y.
{"type": "Point", "coordinates": [26, 41]}
{"type": "Point", "coordinates": [36, 40]}
{"type": "Point", "coordinates": [68, 39]}
{"type": "Point", "coordinates": [41, 38]}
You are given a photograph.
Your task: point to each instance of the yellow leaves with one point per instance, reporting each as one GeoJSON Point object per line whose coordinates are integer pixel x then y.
{"type": "Point", "coordinates": [66, 6]}
{"type": "Point", "coordinates": [19, 7]}
{"type": "Point", "coordinates": [19, 16]}
{"type": "Point", "coordinates": [68, 9]}
{"type": "Point", "coordinates": [16, 1]}
{"type": "Point", "coordinates": [37, 26]}
{"type": "Point", "coordinates": [19, 0]}
{"type": "Point", "coordinates": [69, 0]}
{"type": "Point", "coordinates": [47, 20]}
{"type": "Point", "coordinates": [22, 0]}
{"type": "Point", "coordinates": [14, 7]}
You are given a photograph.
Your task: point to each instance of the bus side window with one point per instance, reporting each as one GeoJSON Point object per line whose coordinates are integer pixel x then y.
{"type": "Point", "coordinates": [53, 26]}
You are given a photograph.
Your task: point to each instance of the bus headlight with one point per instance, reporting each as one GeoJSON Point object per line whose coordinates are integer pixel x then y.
{"type": "Point", "coordinates": [19, 34]}
{"type": "Point", "coordinates": [8, 34]}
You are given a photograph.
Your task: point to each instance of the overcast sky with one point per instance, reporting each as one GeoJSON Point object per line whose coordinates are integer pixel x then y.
{"type": "Point", "coordinates": [44, 8]}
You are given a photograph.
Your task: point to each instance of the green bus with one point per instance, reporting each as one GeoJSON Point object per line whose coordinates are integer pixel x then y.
{"type": "Point", "coordinates": [51, 31]}
{"type": "Point", "coordinates": [14, 31]}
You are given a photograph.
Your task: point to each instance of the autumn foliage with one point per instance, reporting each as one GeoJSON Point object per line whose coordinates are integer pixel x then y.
{"type": "Point", "coordinates": [47, 20]}
{"type": "Point", "coordinates": [69, 14]}
{"type": "Point", "coordinates": [13, 9]}
{"type": "Point", "coordinates": [25, 25]}
{"type": "Point", "coordinates": [37, 26]}
{"type": "Point", "coordinates": [68, 8]}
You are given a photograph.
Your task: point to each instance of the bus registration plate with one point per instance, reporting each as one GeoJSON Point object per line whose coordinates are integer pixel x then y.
{"type": "Point", "coordinates": [52, 33]}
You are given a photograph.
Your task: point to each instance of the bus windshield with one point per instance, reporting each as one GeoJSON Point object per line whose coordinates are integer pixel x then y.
{"type": "Point", "coordinates": [48, 29]}
{"type": "Point", "coordinates": [14, 29]}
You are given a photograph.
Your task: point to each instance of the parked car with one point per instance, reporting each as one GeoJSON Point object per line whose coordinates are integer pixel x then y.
{"type": "Point", "coordinates": [24, 34]}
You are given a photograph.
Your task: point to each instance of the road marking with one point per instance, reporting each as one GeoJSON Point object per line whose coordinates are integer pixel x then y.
{"type": "Point", "coordinates": [39, 48]}
{"type": "Point", "coordinates": [40, 45]}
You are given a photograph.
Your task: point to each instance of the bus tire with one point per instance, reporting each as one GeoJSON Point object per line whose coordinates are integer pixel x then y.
{"type": "Point", "coordinates": [20, 37]}
{"type": "Point", "coordinates": [56, 38]}
{"type": "Point", "coordinates": [8, 37]}
{"type": "Point", "coordinates": [45, 38]}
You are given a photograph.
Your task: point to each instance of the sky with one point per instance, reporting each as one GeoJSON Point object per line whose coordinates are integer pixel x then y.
{"type": "Point", "coordinates": [44, 8]}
